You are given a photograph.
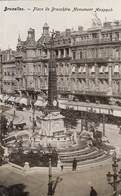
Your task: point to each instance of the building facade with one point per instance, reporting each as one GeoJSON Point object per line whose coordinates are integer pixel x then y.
{"type": "Point", "coordinates": [8, 71]}
{"type": "Point", "coordinates": [88, 63]}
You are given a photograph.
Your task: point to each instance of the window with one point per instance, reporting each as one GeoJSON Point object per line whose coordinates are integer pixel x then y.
{"type": "Point", "coordinates": [80, 54]}
{"type": "Point", "coordinates": [67, 51]}
{"type": "Point", "coordinates": [45, 51]}
{"type": "Point", "coordinates": [73, 69]}
{"type": "Point", "coordinates": [94, 35]}
{"type": "Point", "coordinates": [69, 40]}
{"type": "Point", "coordinates": [110, 36]}
{"type": "Point", "coordinates": [74, 55]}
{"type": "Point", "coordinates": [117, 36]}
{"type": "Point", "coordinates": [62, 52]}
{"type": "Point", "coordinates": [56, 53]}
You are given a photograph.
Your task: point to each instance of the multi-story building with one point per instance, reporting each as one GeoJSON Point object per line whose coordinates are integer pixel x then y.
{"type": "Point", "coordinates": [8, 71]}
{"type": "Point", "coordinates": [88, 63]}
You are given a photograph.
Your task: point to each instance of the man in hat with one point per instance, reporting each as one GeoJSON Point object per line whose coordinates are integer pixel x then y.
{"type": "Point", "coordinates": [93, 192]}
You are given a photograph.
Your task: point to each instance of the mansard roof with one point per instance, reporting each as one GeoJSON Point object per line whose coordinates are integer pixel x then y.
{"type": "Point", "coordinates": [43, 39]}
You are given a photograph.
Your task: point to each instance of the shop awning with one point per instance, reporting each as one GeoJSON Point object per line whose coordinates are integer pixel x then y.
{"type": "Point", "coordinates": [40, 97]}
{"type": "Point", "coordinates": [17, 99]}
{"type": "Point", "coordinates": [39, 103]}
{"type": "Point", "coordinates": [6, 97]}
{"type": "Point", "coordinates": [1, 96]}
{"type": "Point", "coordinates": [23, 101]}
{"type": "Point", "coordinates": [12, 99]}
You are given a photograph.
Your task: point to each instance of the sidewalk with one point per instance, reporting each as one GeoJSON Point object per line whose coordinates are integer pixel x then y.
{"type": "Point", "coordinates": [113, 136]}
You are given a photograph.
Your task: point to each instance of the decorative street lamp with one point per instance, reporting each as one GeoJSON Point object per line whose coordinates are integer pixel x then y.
{"type": "Point", "coordinates": [1, 74]}
{"type": "Point", "coordinates": [115, 178]}
{"type": "Point", "coordinates": [103, 124]}
{"type": "Point", "coordinates": [50, 181]}
{"type": "Point", "coordinates": [33, 116]}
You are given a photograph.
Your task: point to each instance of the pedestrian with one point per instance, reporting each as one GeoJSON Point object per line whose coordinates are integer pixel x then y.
{"type": "Point", "coordinates": [61, 165]}
{"type": "Point", "coordinates": [120, 129]}
{"type": "Point", "coordinates": [30, 118]}
{"type": "Point", "coordinates": [93, 192]}
{"type": "Point", "coordinates": [74, 165]}
{"type": "Point", "coordinates": [11, 125]}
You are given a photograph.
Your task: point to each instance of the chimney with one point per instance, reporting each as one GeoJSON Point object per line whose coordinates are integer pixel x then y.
{"type": "Point", "coordinates": [80, 28]}
{"type": "Point", "coordinates": [57, 33]}
{"type": "Point", "coordinates": [31, 34]}
{"type": "Point", "coordinates": [68, 32]}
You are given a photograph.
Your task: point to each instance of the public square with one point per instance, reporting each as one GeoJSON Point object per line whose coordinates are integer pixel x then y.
{"type": "Point", "coordinates": [73, 182]}
{"type": "Point", "coordinates": [60, 115]}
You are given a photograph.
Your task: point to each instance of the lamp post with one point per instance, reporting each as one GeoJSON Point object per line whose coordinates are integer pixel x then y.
{"type": "Point", "coordinates": [115, 178]}
{"type": "Point", "coordinates": [50, 182]}
{"type": "Point", "coordinates": [103, 124]}
{"type": "Point", "coordinates": [33, 116]}
{"type": "Point", "coordinates": [1, 74]}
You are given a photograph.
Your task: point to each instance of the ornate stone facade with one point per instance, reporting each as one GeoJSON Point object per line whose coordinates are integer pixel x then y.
{"type": "Point", "coordinates": [88, 63]}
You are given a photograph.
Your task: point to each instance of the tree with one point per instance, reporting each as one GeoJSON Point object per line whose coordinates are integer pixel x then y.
{"type": "Point", "coordinates": [3, 126]}
{"type": "Point", "coordinates": [13, 190]}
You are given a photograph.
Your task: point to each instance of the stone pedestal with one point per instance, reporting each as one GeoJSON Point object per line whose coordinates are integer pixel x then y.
{"type": "Point", "coordinates": [52, 124]}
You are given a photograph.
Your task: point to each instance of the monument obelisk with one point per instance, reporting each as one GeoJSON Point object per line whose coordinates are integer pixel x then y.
{"type": "Point", "coordinates": [52, 77]}
{"type": "Point", "coordinates": [52, 123]}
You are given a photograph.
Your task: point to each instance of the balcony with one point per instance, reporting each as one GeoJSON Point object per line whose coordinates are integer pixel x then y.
{"type": "Point", "coordinates": [81, 75]}
{"type": "Point", "coordinates": [91, 92]}
{"type": "Point", "coordinates": [116, 76]}
{"type": "Point", "coordinates": [92, 76]}
{"type": "Point", "coordinates": [91, 60]}
{"type": "Point", "coordinates": [95, 41]}
{"type": "Point", "coordinates": [103, 76]}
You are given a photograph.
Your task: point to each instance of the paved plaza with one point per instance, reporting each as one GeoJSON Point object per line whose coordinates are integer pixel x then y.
{"type": "Point", "coordinates": [73, 183]}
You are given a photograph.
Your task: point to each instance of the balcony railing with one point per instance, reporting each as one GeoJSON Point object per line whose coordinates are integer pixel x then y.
{"type": "Point", "coordinates": [103, 76]}
{"type": "Point", "coordinates": [116, 76]}
{"type": "Point", "coordinates": [95, 41]}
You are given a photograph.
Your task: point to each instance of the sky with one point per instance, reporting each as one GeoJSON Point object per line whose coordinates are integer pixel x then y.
{"type": "Point", "coordinates": [13, 23]}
